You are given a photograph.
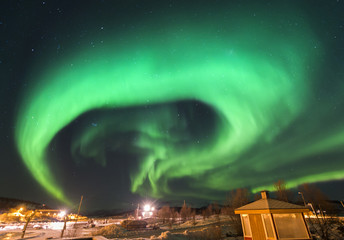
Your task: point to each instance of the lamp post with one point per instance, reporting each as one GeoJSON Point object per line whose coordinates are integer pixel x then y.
{"type": "Point", "coordinates": [313, 208]}
{"type": "Point", "coordinates": [304, 202]}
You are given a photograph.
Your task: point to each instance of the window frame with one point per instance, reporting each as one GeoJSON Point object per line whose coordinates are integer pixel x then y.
{"type": "Point", "coordinates": [297, 238]}
{"type": "Point", "coordinates": [243, 224]}
{"type": "Point", "coordinates": [272, 226]}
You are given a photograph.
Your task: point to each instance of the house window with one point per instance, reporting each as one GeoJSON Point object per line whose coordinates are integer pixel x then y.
{"type": "Point", "coordinates": [269, 230]}
{"type": "Point", "coordinates": [246, 225]}
{"type": "Point", "coordinates": [290, 226]}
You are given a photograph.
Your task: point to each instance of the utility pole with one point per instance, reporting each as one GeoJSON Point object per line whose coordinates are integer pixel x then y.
{"type": "Point", "coordinates": [77, 216]}
{"type": "Point", "coordinates": [27, 222]}
{"type": "Point", "coordinates": [64, 226]}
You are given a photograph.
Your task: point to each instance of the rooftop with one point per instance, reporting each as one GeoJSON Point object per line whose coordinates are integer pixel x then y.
{"type": "Point", "coordinates": [268, 205]}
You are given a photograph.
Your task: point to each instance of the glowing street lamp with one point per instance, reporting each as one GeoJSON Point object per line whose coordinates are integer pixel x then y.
{"type": "Point", "coordinates": [62, 214]}
{"type": "Point", "coordinates": [147, 208]}
{"type": "Point", "coordinates": [147, 211]}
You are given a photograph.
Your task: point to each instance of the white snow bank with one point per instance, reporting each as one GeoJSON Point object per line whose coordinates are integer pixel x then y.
{"type": "Point", "coordinates": [212, 232]}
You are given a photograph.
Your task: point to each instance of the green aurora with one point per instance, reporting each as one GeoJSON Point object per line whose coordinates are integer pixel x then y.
{"type": "Point", "coordinates": [254, 79]}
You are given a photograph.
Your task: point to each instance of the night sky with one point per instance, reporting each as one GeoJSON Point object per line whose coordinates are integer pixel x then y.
{"type": "Point", "coordinates": [124, 101]}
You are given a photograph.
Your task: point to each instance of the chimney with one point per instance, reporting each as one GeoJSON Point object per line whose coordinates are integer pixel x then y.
{"type": "Point", "coordinates": [265, 194]}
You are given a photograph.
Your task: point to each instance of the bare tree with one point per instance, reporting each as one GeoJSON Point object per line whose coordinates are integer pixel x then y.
{"type": "Point", "coordinates": [235, 199]}
{"type": "Point", "coordinates": [164, 213]}
{"type": "Point", "coordinates": [316, 197]}
{"type": "Point", "coordinates": [174, 216]}
{"type": "Point", "coordinates": [209, 211]}
{"type": "Point", "coordinates": [281, 191]}
{"type": "Point", "coordinates": [216, 211]}
{"type": "Point", "coordinates": [325, 220]}
{"type": "Point", "coordinates": [193, 215]}
{"type": "Point", "coordinates": [185, 212]}
{"type": "Point", "coordinates": [204, 215]}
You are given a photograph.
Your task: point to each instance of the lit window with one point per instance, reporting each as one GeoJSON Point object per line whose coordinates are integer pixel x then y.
{"type": "Point", "coordinates": [290, 226]}
{"type": "Point", "coordinates": [246, 225]}
{"type": "Point", "coordinates": [269, 231]}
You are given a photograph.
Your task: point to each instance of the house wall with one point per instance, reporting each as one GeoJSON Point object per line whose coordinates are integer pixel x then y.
{"type": "Point", "coordinates": [257, 227]}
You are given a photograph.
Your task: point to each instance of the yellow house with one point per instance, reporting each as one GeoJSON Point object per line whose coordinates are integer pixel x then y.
{"type": "Point", "coordinates": [268, 219]}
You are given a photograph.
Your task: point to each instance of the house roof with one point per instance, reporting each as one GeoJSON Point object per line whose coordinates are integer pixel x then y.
{"type": "Point", "coordinates": [269, 205]}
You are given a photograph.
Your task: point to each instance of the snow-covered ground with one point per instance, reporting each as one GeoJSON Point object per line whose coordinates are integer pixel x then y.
{"type": "Point", "coordinates": [200, 229]}
{"type": "Point", "coordinates": [41, 230]}
{"type": "Point", "coordinates": [211, 228]}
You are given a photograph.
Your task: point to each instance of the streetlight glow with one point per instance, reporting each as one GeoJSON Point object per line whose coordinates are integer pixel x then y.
{"type": "Point", "coordinates": [147, 208]}
{"type": "Point", "coordinates": [62, 214]}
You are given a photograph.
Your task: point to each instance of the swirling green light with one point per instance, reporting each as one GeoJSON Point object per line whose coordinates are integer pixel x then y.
{"type": "Point", "coordinates": [255, 79]}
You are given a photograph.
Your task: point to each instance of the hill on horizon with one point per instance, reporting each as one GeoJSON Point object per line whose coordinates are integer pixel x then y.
{"type": "Point", "coordinates": [8, 203]}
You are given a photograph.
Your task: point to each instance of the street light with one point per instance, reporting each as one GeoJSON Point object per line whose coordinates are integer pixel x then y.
{"type": "Point", "coordinates": [309, 204]}
{"type": "Point", "coordinates": [147, 208]}
{"type": "Point", "coordinates": [148, 211]}
{"type": "Point", "coordinates": [304, 202]}
{"type": "Point", "coordinates": [62, 213]}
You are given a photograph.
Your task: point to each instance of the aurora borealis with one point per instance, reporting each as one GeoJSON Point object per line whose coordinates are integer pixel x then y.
{"type": "Point", "coordinates": [188, 102]}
